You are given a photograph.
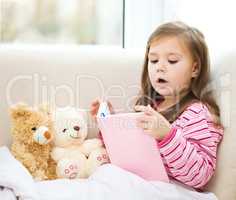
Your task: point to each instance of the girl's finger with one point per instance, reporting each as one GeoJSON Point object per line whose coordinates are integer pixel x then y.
{"type": "Point", "coordinates": [150, 110]}
{"type": "Point", "coordinates": [146, 128]}
{"type": "Point", "coordinates": [146, 109]}
{"type": "Point", "coordinates": [95, 102]}
{"type": "Point", "coordinates": [148, 131]}
{"type": "Point", "coordinates": [144, 118]}
{"type": "Point", "coordinates": [94, 111]}
{"type": "Point", "coordinates": [140, 108]}
{"type": "Point", "coordinates": [143, 125]}
{"type": "Point", "coordinates": [110, 107]}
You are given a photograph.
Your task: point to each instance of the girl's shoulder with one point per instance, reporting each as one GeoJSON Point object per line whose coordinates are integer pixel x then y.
{"type": "Point", "coordinates": [196, 107]}
{"type": "Point", "coordinates": [198, 111]}
{"type": "Point", "coordinates": [195, 110]}
{"type": "Point", "coordinates": [196, 115]}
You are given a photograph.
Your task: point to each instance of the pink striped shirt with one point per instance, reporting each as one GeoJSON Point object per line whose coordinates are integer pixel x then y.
{"type": "Point", "coordinates": [189, 149]}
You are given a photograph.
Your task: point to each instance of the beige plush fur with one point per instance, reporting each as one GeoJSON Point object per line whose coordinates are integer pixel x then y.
{"type": "Point", "coordinates": [33, 155]}
{"type": "Point", "coordinates": [76, 156]}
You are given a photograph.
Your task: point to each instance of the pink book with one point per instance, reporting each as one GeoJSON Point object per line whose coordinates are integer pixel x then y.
{"type": "Point", "coordinates": [130, 148]}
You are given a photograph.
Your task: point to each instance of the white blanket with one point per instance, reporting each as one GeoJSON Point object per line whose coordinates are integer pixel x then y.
{"type": "Point", "coordinates": [108, 182]}
{"type": "Point", "coordinates": [7, 194]}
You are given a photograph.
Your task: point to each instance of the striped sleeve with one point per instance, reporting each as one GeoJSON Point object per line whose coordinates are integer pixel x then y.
{"type": "Point", "coordinates": [189, 151]}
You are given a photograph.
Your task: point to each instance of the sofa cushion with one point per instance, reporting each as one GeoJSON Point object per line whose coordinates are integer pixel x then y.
{"type": "Point", "coordinates": [223, 184]}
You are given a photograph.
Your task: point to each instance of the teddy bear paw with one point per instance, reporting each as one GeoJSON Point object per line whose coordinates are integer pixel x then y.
{"type": "Point", "coordinates": [98, 157]}
{"type": "Point", "coordinates": [68, 169]}
{"type": "Point", "coordinates": [103, 158]}
{"type": "Point", "coordinates": [71, 171]}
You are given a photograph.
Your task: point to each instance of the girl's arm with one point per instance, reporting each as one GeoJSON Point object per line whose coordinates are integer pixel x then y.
{"type": "Point", "coordinates": [189, 151]}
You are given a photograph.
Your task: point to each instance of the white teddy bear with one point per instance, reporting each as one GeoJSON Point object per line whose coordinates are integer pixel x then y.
{"type": "Point", "coordinates": [76, 156]}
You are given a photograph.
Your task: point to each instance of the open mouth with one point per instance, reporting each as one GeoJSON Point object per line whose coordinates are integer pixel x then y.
{"type": "Point", "coordinates": [161, 80]}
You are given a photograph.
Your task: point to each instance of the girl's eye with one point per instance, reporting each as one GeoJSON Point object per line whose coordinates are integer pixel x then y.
{"type": "Point", "coordinates": [154, 61]}
{"type": "Point", "coordinates": [34, 129]}
{"type": "Point", "coordinates": [64, 130]}
{"type": "Point", "coordinates": [172, 61]}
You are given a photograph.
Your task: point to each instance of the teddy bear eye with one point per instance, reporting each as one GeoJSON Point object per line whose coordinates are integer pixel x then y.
{"type": "Point", "coordinates": [33, 129]}
{"type": "Point", "coordinates": [64, 130]}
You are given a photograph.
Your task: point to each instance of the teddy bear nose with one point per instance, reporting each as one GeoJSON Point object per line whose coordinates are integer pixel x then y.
{"type": "Point", "coordinates": [47, 135]}
{"type": "Point", "coordinates": [76, 128]}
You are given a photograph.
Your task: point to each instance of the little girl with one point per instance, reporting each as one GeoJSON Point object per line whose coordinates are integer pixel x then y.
{"type": "Point", "coordinates": [178, 109]}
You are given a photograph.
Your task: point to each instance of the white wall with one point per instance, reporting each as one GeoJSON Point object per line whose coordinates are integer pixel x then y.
{"type": "Point", "coordinates": [141, 18]}
{"type": "Point", "coordinates": [215, 19]}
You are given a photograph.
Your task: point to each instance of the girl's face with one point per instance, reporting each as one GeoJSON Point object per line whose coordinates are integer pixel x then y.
{"type": "Point", "coordinates": [170, 66]}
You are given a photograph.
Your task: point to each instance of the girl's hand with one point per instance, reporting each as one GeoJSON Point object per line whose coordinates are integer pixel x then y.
{"type": "Point", "coordinates": [95, 106]}
{"type": "Point", "coordinates": [153, 122]}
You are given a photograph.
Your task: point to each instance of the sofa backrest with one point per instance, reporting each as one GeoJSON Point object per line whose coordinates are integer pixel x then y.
{"type": "Point", "coordinates": [66, 76]}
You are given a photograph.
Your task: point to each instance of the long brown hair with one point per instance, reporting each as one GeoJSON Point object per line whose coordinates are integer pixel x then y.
{"type": "Point", "coordinates": [199, 90]}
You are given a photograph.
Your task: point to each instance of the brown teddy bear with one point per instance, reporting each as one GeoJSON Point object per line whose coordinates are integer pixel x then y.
{"type": "Point", "coordinates": [32, 133]}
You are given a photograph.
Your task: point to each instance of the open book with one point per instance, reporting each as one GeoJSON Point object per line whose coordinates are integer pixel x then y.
{"type": "Point", "coordinates": [130, 148]}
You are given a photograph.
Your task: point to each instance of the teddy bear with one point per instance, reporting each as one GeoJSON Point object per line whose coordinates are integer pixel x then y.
{"type": "Point", "coordinates": [32, 135]}
{"type": "Point", "coordinates": [76, 156]}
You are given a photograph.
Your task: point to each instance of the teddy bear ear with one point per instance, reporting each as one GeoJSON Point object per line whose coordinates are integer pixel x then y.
{"type": "Point", "coordinates": [20, 110]}
{"type": "Point", "coordinates": [45, 108]}
{"type": "Point", "coordinates": [83, 112]}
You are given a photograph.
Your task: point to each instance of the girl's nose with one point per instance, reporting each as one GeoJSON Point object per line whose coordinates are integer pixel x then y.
{"type": "Point", "coordinates": [160, 70]}
{"type": "Point", "coordinates": [161, 66]}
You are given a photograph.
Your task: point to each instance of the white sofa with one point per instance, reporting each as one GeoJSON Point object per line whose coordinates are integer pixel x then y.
{"type": "Point", "coordinates": [76, 75]}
